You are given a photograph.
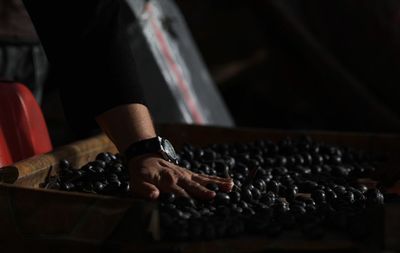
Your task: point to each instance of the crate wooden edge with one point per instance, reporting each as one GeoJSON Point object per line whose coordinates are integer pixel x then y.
{"type": "Point", "coordinates": [187, 133]}
{"type": "Point", "coordinates": [77, 153]}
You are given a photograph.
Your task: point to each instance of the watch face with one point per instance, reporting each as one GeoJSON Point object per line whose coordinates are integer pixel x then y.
{"type": "Point", "coordinates": [169, 149]}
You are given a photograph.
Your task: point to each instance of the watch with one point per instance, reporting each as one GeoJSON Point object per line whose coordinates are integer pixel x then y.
{"type": "Point", "coordinates": [152, 145]}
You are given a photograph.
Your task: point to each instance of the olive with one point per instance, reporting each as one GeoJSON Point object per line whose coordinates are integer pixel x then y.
{"type": "Point", "coordinates": [256, 194]}
{"type": "Point", "coordinates": [280, 207]}
{"type": "Point", "coordinates": [99, 187]}
{"type": "Point", "coordinates": [273, 186]}
{"type": "Point", "coordinates": [212, 187]}
{"type": "Point", "coordinates": [185, 202]}
{"type": "Point", "coordinates": [260, 185]}
{"type": "Point", "coordinates": [64, 164]}
{"type": "Point", "coordinates": [281, 160]}
{"type": "Point", "coordinates": [234, 197]}
{"type": "Point", "coordinates": [307, 186]}
{"type": "Point", "coordinates": [230, 161]}
{"type": "Point", "coordinates": [185, 164]}
{"type": "Point", "coordinates": [222, 199]}
{"type": "Point", "coordinates": [374, 197]}
{"type": "Point", "coordinates": [335, 159]}
{"type": "Point", "coordinates": [98, 163]}
{"type": "Point", "coordinates": [291, 192]}
{"type": "Point", "coordinates": [247, 194]}
{"type": "Point", "coordinates": [222, 168]}
{"type": "Point", "coordinates": [67, 186]}
{"type": "Point", "coordinates": [318, 196]}
{"type": "Point", "coordinates": [362, 188]}
{"type": "Point", "coordinates": [209, 155]}
{"type": "Point", "coordinates": [330, 194]}
{"type": "Point", "coordinates": [167, 197]}
{"type": "Point", "coordinates": [241, 169]}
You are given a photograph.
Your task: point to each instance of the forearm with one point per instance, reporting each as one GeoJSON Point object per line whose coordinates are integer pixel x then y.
{"type": "Point", "coordinates": [127, 124]}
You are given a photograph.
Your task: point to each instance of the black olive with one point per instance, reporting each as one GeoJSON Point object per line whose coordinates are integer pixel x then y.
{"type": "Point", "coordinates": [340, 171]}
{"type": "Point", "coordinates": [98, 163]}
{"type": "Point", "coordinates": [280, 207]}
{"type": "Point", "coordinates": [299, 159]}
{"type": "Point", "coordinates": [212, 187]}
{"type": "Point", "coordinates": [330, 194]}
{"type": "Point", "coordinates": [269, 161]}
{"type": "Point", "coordinates": [362, 188]}
{"type": "Point", "coordinates": [230, 161]}
{"type": "Point", "coordinates": [247, 194]}
{"type": "Point", "coordinates": [234, 196]}
{"type": "Point", "coordinates": [99, 187]}
{"type": "Point", "coordinates": [205, 169]}
{"type": "Point", "coordinates": [114, 183]}
{"type": "Point", "coordinates": [308, 159]}
{"type": "Point", "coordinates": [185, 202]}
{"type": "Point", "coordinates": [269, 199]}
{"type": "Point", "coordinates": [273, 186]}
{"type": "Point", "coordinates": [222, 198]}
{"type": "Point", "coordinates": [240, 168]}
{"type": "Point", "coordinates": [167, 197]}
{"type": "Point", "coordinates": [374, 197]}
{"type": "Point", "coordinates": [248, 212]}
{"type": "Point", "coordinates": [260, 185]}
{"type": "Point", "coordinates": [236, 209]}
{"type": "Point", "coordinates": [291, 192]}
{"type": "Point", "coordinates": [256, 194]}
{"type": "Point", "coordinates": [281, 160]}
{"type": "Point", "coordinates": [318, 159]}
{"type": "Point", "coordinates": [67, 186]}
{"type": "Point", "coordinates": [209, 155]}
{"type": "Point", "coordinates": [335, 159]}
{"type": "Point", "coordinates": [307, 186]}
{"type": "Point", "coordinates": [318, 196]}
{"type": "Point", "coordinates": [316, 169]}
{"type": "Point", "coordinates": [64, 164]}
{"type": "Point", "coordinates": [185, 164]}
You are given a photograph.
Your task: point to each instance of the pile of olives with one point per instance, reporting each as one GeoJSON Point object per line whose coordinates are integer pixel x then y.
{"type": "Point", "coordinates": [294, 184]}
{"type": "Point", "coordinates": [105, 175]}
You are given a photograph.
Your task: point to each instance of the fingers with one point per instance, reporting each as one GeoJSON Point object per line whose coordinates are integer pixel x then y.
{"type": "Point", "coordinates": [156, 175]}
{"type": "Point", "coordinates": [177, 190]}
{"type": "Point", "coordinates": [195, 189]}
{"type": "Point", "coordinates": [168, 183]}
{"type": "Point", "coordinates": [225, 184]}
{"type": "Point", "coordinates": [145, 190]}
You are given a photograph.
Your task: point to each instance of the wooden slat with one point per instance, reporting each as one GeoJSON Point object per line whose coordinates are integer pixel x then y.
{"type": "Point", "coordinates": [33, 171]}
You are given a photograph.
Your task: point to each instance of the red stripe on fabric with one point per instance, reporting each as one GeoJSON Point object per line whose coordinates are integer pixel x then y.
{"type": "Point", "coordinates": [182, 84]}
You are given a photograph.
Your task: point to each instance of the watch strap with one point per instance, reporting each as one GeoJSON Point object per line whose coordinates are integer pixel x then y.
{"type": "Point", "coordinates": [143, 147]}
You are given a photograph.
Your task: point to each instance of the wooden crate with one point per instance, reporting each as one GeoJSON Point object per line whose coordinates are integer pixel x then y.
{"type": "Point", "coordinates": [84, 222]}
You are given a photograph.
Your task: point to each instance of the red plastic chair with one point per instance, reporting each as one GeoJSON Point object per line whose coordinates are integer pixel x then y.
{"type": "Point", "coordinates": [23, 130]}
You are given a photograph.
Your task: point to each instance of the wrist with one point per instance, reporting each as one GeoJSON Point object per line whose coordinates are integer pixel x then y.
{"type": "Point", "coordinates": [151, 146]}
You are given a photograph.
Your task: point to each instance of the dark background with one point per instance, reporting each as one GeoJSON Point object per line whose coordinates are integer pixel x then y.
{"type": "Point", "coordinates": [293, 64]}
{"type": "Point", "coordinates": [331, 65]}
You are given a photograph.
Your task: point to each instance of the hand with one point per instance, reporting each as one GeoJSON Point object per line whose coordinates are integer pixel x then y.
{"type": "Point", "coordinates": [151, 174]}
